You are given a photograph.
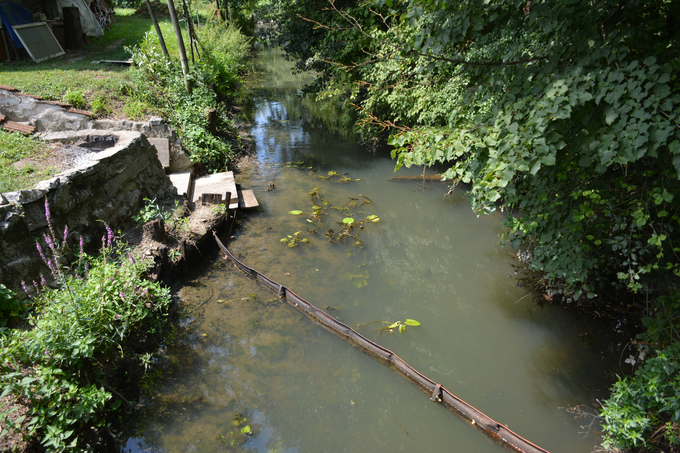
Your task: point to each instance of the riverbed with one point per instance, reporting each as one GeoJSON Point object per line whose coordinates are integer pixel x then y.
{"type": "Point", "coordinates": [245, 372]}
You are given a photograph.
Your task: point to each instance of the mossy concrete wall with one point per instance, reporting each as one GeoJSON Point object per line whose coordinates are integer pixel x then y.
{"type": "Point", "coordinates": [109, 188]}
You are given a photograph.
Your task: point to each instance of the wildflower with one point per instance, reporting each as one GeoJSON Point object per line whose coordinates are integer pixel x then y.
{"type": "Point", "coordinates": [63, 244]}
{"type": "Point", "coordinates": [87, 268]}
{"type": "Point", "coordinates": [48, 241]}
{"type": "Point", "coordinates": [80, 259]}
{"type": "Point", "coordinates": [118, 316]}
{"type": "Point", "coordinates": [35, 285]}
{"type": "Point", "coordinates": [42, 255]}
{"type": "Point", "coordinates": [132, 260]}
{"type": "Point", "coordinates": [47, 214]}
{"type": "Point", "coordinates": [43, 283]}
{"type": "Point", "coordinates": [122, 296]}
{"type": "Point", "coordinates": [23, 285]}
{"type": "Point", "coordinates": [109, 235]}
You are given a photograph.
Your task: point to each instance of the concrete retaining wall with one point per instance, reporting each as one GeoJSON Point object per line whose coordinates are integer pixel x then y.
{"type": "Point", "coordinates": [109, 187]}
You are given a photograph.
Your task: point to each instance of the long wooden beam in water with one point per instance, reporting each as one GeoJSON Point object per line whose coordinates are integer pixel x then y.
{"type": "Point", "coordinates": [500, 434]}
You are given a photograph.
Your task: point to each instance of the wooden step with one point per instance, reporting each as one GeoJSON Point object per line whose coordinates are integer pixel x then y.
{"type": "Point", "coordinates": [18, 127]}
{"type": "Point", "coordinates": [247, 200]}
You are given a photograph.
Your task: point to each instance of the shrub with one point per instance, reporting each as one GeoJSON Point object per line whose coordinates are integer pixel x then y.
{"type": "Point", "coordinates": [78, 331]}
{"type": "Point", "coordinates": [643, 410]}
{"type": "Point", "coordinates": [75, 98]}
{"type": "Point", "coordinates": [159, 81]}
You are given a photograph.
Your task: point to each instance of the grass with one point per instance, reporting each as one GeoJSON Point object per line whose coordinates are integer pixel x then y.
{"type": "Point", "coordinates": [79, 73]}
{"type": "Point", "coordinates": [13, 148]}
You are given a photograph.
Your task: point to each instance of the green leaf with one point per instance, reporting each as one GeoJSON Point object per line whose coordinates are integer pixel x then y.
{"type": "Point", "coordinates": [246, 430]}
{"type": "Point", "coordinates": [296, 212]}
{"type": "Point", "coordinates": [411, 322]}
{"type": "Point", "coordinates": [348, 220]}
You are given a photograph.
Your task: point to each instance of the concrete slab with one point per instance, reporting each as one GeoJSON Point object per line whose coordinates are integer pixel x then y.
{"type": "Point", "coordinates": [217, 183]}
{"type": "Point", "coordinates": [163, 148]}
{"type": "Point", "coordinates": [247, 199]}
{"type": "Point", "coordinates": [182, 181]}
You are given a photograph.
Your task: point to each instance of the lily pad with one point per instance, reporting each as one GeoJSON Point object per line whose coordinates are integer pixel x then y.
{"type": "Point", "coordinates": [348, 220]}
{"type": "Point", "coordinates": [295, 212]}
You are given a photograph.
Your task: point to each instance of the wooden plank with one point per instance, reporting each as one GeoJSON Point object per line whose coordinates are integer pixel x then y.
{"type": "Point", "coordinates": [8, 88]}
{"type": "Point", "coordinates": [18, 127]}
{"type": "Point", "coordinates": [247, 200]}
{"type": "Point", "coordinates": [82, 112]}
{"type": "Point", "coordinates": [60, 104]}
{"type": "Point", "coordinates": [216, 183]}
{"type": "Point", "coordinates": [32, 96]}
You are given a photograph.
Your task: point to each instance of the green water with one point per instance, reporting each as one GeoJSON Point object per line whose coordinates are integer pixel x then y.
{"type": "Point", "coordinates": [241, 351]}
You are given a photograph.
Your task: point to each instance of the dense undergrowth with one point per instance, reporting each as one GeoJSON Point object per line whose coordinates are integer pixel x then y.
{"type": "Point", "coordinates": [85, 330]}
{"type": "Point", "coordinates": [201, 117]}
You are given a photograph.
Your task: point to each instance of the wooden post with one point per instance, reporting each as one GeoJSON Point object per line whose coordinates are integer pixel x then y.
{"type": "Point", "coordinates": [155, 230]}
{"type": "Point", "coordinates": [180, 44]}
{"type": "Point", "coordinates": [158, 29]}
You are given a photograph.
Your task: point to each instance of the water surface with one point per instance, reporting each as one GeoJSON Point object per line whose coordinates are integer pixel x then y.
{"type": "Point", "coordinates": [243, 358]}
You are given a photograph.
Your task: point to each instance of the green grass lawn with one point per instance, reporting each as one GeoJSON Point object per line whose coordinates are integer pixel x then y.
{"type": "Point", "coordinates": [79, 79]}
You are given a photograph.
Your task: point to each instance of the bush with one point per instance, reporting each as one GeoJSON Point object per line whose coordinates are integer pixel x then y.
{"type": "Point", "coordinates": [643, 410]}
{"type": "Point", "coordinates": [159, 82]}
{"type": "Point", "coordinates": [78, 332]}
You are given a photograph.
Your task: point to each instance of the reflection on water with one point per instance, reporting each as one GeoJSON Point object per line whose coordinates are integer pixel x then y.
{"type": "Point", "coordinates": [244, 359]}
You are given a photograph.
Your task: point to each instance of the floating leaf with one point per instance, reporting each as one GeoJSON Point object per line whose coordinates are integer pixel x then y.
{"type": "Point", "coordinates": [246, 430]}
{"type": "Point", "coordinates": [309, 221]}
{"type": "Point", "coordinates": [373, 218]}
{"type": "Point", "coordinates": [295, 212]}
{"type": "Point", "coordinates": [284, 240]}
{"type": "Point", "coordinates": [348, 220]}
{"type": "Point", "coordinates": [392, 326]}
{"type": "Point", "coordinates": [411, 322]}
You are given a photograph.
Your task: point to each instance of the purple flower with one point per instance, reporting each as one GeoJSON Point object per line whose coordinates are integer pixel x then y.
{"type": "Point", "coordinates": [80, 260]}
{"type": "Point", "coordinates": [35, 285]}
{"type": "Point", "coordinates": [132, 260]}
{"type": "Point", "coordinates": [63, 244]}
{"type": "Point", "coordinates": [42, 281]}
{"type": "Point", "coordinates": [47, 213]}
{"type": "Point", "coordinates": [142, 295]}
{"type": "Point", "coordinates": [48, 241]}
{"type": "Point", "coordinates": [23, 285]}
{"type": "Point", "coordinates": [122, 296]}
{"type": "Point", "coordinates": [109, 235]}
{"type": "Point", "coordinates": [42, 255]}
{"type": "Point", "coordinates": [118, 316]}
{"type": "Point", "coordinates": [87, 268]}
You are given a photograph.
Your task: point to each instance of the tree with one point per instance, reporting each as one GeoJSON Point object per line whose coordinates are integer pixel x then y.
{"type": "Point", "coordinates": [565, 113]}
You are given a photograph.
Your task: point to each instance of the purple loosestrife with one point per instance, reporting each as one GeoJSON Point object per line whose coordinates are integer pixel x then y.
{"type": "Point", "coordinates": [80, 259]}
{"type": "Point", "coordinates": [109, 236]}
{"type": "Point", "coordinates": [48, 262]}
{"type": "Point", "coordinates": [132, 260]}
{"type": "Point", "coordinates": [43, 282]}
{"type": "Point", "coordinates": [87, 269]}
{"type": "Point", "coordinates": [23, 285]}
{"type": "Point", "coordinates": [63, 244]}
{"type": "Point", "coordinates": [50, 244]}
{"type": "Point", "coordinates": [35, 285]}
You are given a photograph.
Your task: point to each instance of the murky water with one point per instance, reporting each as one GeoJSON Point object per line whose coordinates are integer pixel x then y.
{"type": "Point", "coordinates": [244, 359]}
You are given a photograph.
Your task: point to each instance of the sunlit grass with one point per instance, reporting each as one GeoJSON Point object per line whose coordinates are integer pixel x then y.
{"type": "Point", "coordinates": [13, 148]}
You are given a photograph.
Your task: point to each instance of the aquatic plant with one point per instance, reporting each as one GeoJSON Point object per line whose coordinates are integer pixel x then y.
{"type": "Point", "coordinates": [400, 326]}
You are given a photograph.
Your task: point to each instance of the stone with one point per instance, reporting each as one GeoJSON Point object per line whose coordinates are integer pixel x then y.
{"type": "Point", "coordinates": [216, 183]}
{"type": "Point", "coordinates": [182, 182]}
{"type": "Point", "coordinates": [162, 146]}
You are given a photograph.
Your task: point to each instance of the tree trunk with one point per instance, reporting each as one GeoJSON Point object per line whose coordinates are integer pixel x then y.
{"type": "Point", "coordinates": [180, 44]}
{"type": "Point", "coordinates": [158, 29]}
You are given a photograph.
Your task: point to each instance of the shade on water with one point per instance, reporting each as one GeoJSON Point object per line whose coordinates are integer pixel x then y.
{"type": "Point", "coordinates": [244, 361]}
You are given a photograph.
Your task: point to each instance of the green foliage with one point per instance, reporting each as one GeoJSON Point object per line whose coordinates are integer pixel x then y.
{"type": "Point", "coordinates": [152, 210]}
{"type": "Point", "coordinates": [160, 83]}
{"type": "Point", "coordinates": [100, 106]}
{"type": "Point", "coordinates": [643, 410]}
{"type": "Point", "coordinates": [77, 330]}
{"type": "Point", "coordinates": [563, 113]}
{"type": "Point", "coordinates": [9, 305]}
{"type": "Point", "coordinates": [75, 97]}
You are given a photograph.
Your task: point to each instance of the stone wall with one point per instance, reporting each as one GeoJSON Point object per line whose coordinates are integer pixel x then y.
{"type": "Point", "coordinates": [110, 187]}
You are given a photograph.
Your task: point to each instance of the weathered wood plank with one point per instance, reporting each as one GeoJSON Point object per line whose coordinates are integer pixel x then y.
{"type": "Point", "coordinates": [247, 199]}
{"type": "Point", "coordinates": [13, 126]}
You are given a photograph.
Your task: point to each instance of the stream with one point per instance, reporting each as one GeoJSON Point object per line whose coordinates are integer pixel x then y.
{"type": "Point", "coordinates": [245, 372]}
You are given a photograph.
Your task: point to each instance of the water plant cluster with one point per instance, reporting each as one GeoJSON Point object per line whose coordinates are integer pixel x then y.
{"type": "Point", "coordinates": [62, 350]}
{"type": "Point", "coordinates": [348, 228]}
